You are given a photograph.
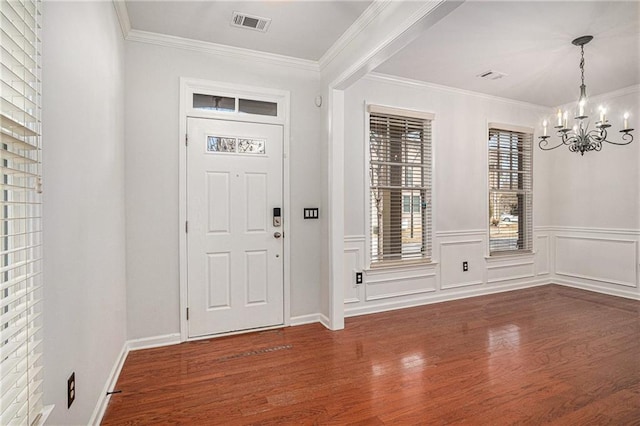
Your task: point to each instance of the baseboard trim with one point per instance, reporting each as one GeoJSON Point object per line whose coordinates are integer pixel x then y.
{"type": "Point", "coordinates": [599, 289]}
{"type": "Point", "coordinates": [154, 342]}
{"type": "Point", "coordinates": [103, 401]}
{"type": "Point", "coordinates": [324, 320]}
{"type": "Point", "coordinates": [304, 319]}
{"type": "Point", "coordinates": [441, 296]}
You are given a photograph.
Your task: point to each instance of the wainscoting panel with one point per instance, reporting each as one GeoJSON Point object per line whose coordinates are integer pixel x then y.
{"type": "Point", "coordinates": [353, 261]}
{"type": "Point", "coordinates": [510, 270]}
{"type": "Point", "coordinates": [543, 254]}
{"type": "Point", "coordinates": [384, 284]}
{"type": "Point", "coordinates": [611, 260]}
{"type": "Point", "coordinates": [453, 254]}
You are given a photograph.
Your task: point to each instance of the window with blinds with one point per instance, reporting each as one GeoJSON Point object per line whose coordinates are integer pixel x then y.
{"type": "Point", "coordinates": [400, 185]}
{"type": "Point", "coordinates": [510, 190]}
{"type": "Point", "coordinates": [21, 233]}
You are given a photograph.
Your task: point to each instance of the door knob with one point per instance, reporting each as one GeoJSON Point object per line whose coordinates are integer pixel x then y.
{"type": "Point", "coordinates": [277, 234]}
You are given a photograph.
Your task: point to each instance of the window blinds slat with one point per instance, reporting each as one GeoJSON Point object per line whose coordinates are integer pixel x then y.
{"type": "Point", "coordinates": [22, 87]}
{"type": "Point", "coordinates": [15, 126]}
{"type": "Point", "coordinates": [17, 158]}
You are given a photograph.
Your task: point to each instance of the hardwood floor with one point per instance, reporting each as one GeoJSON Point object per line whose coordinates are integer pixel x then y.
{"type": "Point", "coordinates": [542, 355]}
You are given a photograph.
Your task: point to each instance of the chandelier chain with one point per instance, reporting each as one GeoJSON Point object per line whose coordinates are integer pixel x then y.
{"type": "Point", "coordinates": [582, 63]}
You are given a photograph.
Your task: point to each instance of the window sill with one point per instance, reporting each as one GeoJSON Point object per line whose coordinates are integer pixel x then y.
{"type": "Point", "coordinates": [507, 256]}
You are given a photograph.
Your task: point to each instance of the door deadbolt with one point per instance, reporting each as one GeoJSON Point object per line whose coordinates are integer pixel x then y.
{"type": "Point", "coordinates": [277, 217]}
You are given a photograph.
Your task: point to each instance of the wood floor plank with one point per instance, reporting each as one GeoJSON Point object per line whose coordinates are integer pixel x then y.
{"type": "Point", "coordinates": [549, 354]}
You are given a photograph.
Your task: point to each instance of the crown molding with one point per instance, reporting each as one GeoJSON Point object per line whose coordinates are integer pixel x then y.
{"type": "Point", "coordinates": [370, 13]}
{"type": "Point", "coordinates": [629, 90]}
{"type": "Point", "coordinates": [221, 50]}
{"type": "Point", "coordinates": [123, 17]}
{"type": "Point", "coordinates": [407, 82]}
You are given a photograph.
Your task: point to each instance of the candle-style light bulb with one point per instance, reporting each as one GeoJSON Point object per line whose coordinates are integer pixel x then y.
{"type": "Point", "coordinates": [603, 114]}
{"type": "Point", "coordinates": [565, 119]}
{"type": "Point", "coordinates": [581, 107]}
{"type": "Point", "coordinates": [625, 124]}
{"type": "Point", "coordinates": [544, 128]}
{"type": "Point", "coordinates": [559, 118]}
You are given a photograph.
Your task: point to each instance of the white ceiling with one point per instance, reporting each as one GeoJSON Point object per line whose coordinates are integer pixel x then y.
{"type": "Point", "coordinates": [530, 41]}
{"type": "Point", "coordinates": [301, 29]}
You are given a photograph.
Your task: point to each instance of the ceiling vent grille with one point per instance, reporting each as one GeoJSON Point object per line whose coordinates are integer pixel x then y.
{"type": "Point", "coordinates": [492, 75]}
{"type": "Point", "coordinates": [251, 22]}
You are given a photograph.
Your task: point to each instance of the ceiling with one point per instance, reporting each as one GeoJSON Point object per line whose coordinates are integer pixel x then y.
{"type": "Point", "coordinates": [301, 29]}
{"type": "Point", "coordinates": [529, 41]}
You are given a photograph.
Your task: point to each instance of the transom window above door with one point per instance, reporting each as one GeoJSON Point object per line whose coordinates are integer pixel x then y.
{"type": "Point", "coordinates": [221, 103]}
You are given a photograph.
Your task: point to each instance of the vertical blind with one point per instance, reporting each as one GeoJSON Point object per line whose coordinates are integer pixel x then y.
{"type": "Point", "coordinates": [21, 233]}
{"type": "Point", "coordinates": [400, 187]}
{"type": "Point", "coordinates": [510, 191]}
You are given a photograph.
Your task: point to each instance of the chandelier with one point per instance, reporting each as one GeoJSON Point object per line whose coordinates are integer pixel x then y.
{"type": "Point", "coordinates": [580, 138]}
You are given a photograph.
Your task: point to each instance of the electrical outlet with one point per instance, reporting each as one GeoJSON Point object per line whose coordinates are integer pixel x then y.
{"type": "Point", "coordinates": [465, 266]}
{"type": "Point", "coordinates": [358, 277]}
{"type": "Point", "coordinates": [71, 389]}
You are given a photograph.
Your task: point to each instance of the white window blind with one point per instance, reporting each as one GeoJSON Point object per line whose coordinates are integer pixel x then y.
{"type": "Point", "coordinates": [21, 234]}
{"type": "Point", "coordinates": [400, 187]}
{"type": "Point", "coordinates": [510, 191]}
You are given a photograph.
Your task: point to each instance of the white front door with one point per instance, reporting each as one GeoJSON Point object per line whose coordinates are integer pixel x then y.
{"type": "Point", "coordinates": [234, 250]}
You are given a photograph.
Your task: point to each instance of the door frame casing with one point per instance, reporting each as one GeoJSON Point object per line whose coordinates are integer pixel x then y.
{"type": "Point", "coordinates": [282, 97]}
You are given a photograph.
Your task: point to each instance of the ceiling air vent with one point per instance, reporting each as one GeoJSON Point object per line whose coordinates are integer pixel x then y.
{"type": "Point", "coordinates": [492, 75]}
{"type": "Point", "coordinates": [251, 22]}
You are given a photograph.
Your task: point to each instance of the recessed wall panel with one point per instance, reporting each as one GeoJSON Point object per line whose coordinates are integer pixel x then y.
{"type": "Point", "coordinates": [256, 193]}
{"type": "Point", "coordinates": [609, 260]}
{"type": "Point", "coordinates": [389, 284]}
{"type": "Point", "coordinates": [453, 254]}
{"type": "Point", "coordinates": [218, 202]}
{"type": "Point", "coordinates": [351, 264]}
{"type": "Point", "coordinates": [542, 254]}
{"type": "Point", "coordinates": [256, 276]}
{"type": "Point", "coordinates": [219, 280]}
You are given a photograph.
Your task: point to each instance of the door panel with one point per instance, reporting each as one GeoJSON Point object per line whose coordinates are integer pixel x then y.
{"type": "Point", "coordinates": [234, 262]}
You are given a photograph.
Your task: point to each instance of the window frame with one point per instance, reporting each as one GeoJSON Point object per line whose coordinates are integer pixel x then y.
{"type": "Point", "coordinates": [525, 220]}
{"type": "Point", "coordinates": [428, 233]}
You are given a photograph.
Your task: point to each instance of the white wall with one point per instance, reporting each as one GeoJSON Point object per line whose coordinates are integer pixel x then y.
{"type": "Point", "coordinates": [586, 208]}
{"type": "Point", "coordinates": [595, 206]}
{"type": "Point", "coordinates": [459, 143]}
{"type": "Point", "coordinates": [152, 105]}
{"type": "Point", "coordinates": [460, 198]}
{"type": "Point", "coordinates": [83, 171]}
{"type": "Point", "coordinates": [600, 189]}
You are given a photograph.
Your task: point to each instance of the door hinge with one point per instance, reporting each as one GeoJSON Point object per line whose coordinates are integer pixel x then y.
{"type": "Point", "coordinates": [187, 314]}
{"type": "Point", "coordinates": [186, 226]}
{"type": "Point", "coordinates": [186, 139]}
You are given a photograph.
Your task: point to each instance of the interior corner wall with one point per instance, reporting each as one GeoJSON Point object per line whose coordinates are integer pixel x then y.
{"type": "Point", "coordinates": [84, 210]}
{"type": "Point", "coordinates": [601, 189]}
{"type": "Point", "coordinates": [595, 201]}
{"type": "Point", "coordinates": [152, 133]}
